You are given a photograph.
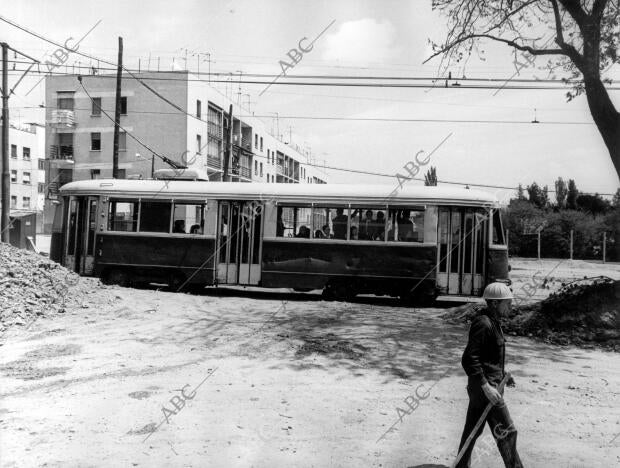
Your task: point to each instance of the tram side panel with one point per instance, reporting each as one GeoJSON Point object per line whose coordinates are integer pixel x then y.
{"type": "Point", "coordinates": [191, 259]}
{"type": "Point", "coordinates": [370, 267]}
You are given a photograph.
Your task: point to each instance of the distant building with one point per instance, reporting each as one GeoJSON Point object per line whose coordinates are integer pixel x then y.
{"type": "Point", "coordinates": [79, 136]}
{"type": "Point", "coordinates": [27, 169]}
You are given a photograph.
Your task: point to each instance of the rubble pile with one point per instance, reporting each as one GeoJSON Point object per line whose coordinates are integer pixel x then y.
{"type": "Point", "coordinates": [584, 313]}
{"type": "Point", "coordinates": [32, 285]}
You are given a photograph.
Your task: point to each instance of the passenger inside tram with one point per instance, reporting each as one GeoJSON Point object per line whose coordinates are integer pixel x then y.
{"type": "Point", "coordinates": [304, 232]}
{"type": "Point", "coordinates": [340, 224]}
{"type": "Point", "coordinates": [179, 226]}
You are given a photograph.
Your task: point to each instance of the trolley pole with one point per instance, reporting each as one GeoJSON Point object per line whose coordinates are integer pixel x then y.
{"type": "Point", "coordinates": [6, 184]}
{"type": "Point", "coordinates": [539, 243]}
{"type": "Point", "coordinates": [117, 111]}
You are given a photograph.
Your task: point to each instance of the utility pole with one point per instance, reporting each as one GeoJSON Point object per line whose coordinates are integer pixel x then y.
{"type": "Point", "coordinates": [152, 165]}
{"type": "Point", "coordinates": [6, 184]}
{"type": "Point", "coordinates": [117, 112]}
{"type": "Point", "coordinates": [228, 152]}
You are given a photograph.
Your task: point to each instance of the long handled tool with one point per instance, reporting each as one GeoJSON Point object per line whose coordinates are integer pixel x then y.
{"type": "Point", "coordinates": [481, 420]}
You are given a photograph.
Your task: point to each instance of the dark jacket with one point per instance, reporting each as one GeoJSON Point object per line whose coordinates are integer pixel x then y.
{"type": "Point", "coordinates": [483, 358]}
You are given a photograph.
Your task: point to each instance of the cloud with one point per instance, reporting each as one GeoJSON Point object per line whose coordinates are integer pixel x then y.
{"type": "Point", "coordinates": [364, 40]}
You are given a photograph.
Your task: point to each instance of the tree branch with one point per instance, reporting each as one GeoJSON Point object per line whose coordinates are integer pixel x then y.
{"type": "Point", "coordinates": [568, 49]}
{"type": "Point", "coordinates": [524, 48]}
{"type": "Point", "coordinates": [574, 9]}
{"type": "Point", "coordinates": [598, 9]}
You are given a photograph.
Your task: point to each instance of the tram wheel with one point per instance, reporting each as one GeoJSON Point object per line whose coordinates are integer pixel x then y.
{"type": "Point", "coordinates": [118, 277]}
{"type": "Point", "coordinates": [339, 292]}
{"type": "Point", "coordinates": [176, 281]}
{"type": "Point", "coordinates": [418, 300]}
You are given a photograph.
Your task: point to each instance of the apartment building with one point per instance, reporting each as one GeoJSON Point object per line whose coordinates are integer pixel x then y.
{"type": "Point", "coordinates": [27, 168]}
{"type": "Point", "coordinates": [192, 132]}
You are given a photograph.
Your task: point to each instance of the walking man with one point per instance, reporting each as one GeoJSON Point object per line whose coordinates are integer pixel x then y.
{"type": "Point", "coordinates": [483, 361]}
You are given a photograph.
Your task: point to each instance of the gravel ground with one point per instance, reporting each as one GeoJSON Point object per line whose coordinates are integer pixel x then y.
{"type": "Point", "coordinates": [264, 379]}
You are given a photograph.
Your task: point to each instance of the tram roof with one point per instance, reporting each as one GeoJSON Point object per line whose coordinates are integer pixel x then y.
{"type": "Point", "coordinates": [317, 193]}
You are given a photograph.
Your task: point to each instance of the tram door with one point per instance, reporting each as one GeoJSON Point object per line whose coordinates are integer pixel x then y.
{"type": "Point", "coordinates": [81, 227]}
{"type": "Point", "coordinates": [239, 242]}
{"type": "Point", "coordinates": [462, 234]}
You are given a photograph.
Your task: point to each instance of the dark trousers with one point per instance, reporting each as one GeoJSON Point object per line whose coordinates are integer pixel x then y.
{"type": "Point", "coordinates": [499, 422]}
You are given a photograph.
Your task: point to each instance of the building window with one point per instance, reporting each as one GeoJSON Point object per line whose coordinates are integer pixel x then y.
{"type": "Point", "coordinates": [41, 187]}
{"type": "Point", "coordinates": [95, 173]}
{"type": "Point", "coordinates": [198, 144]}
{"type": "Point", "coordinates": [13, 175]}
{"type": "Point", "coordinates": [261, 143]}
{"type": "Point", "coordinates": [14, 151]}
{"type": "Point", "coordinates": [261, 169]}
{"type": "Point", "coordinates": [26, 178]}
{"type": "Point", "coordinates": [65, 100]}
{"type": "Point", "coordinates": [95, 141]}
{"type": "Point", "coordinates": [267, 178]}
{"type": "Point", "coordinates": [13, 201]}
{"type": "Point", "coordinates": [255, 167]}
{"type": "Point", "coordinates": [26, 202]}
{"type": "Point", "coordinates": [122, 141]}
{"type": "Point", "coordinates": [96, 107]}
{"type": "Point", "coordinates": [255, 140]}
{"type": "Point", "coordinates": [214, 118]}
{"type": "Point", "coordinates": [41, 164]}
{"type": "Point", "coordinates": [26, 153]}
{"type": "Point", "coordinates": [198, 108]}
{"type": "Point", "coordinates": [124, 105]}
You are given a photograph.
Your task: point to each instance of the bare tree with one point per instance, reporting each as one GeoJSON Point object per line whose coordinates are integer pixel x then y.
{"type": "Point", "coordinates": [586, 35]}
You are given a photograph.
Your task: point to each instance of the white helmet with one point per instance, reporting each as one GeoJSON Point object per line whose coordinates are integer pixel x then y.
{"type": "Point", "coordinates": [497, 291]}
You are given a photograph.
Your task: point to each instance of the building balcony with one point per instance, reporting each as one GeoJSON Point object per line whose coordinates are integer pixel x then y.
{"type": "Point", "coordinates": [242, 171]}
{"type": "Point", "coordinates": [61, 152]}
{"type": "Point", "coordinates": [245, 143]}
{"type": "Point", "coordinates": [245, 172]}
{"type": "Point", "coordinates": [213, 162]}
{"type": "Point", "coordinates": [62, 118]}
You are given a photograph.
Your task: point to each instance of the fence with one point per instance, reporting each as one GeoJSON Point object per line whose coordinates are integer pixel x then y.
{"type": "Point", "coordinates": [554, 243]}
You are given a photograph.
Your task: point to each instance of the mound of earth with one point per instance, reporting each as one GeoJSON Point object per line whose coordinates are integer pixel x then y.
{"type": "Point", "coordinates": [32, 285]}
{"type": "Point", "coordinates": [584, 313]}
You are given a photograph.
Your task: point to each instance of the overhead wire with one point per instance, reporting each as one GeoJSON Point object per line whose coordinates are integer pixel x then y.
{"type": "Point", "coordinates": [379, 85]}
{"type": "Point", "coordinates": [283, 82]}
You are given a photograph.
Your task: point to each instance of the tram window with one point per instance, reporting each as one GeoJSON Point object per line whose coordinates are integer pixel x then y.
{"type": "Point", "coordinates": [294, 222]}
{"type": "Point", "coordinates": [406, 225]}
{"type": "Point", "coordinates": [330, 222]}
{"type": "Point", "coordinates": [322, 227]}
{"type": "Point", "coordinates": [123, 216]}
{"type": "Point", "coordinates": [498, 231]}
{"type": "Point", "coordinates": [155, 216]}
{"type": "Point", "coordinates": [367, 224]}
{"type": "Point", "coordinates": [188, 218]}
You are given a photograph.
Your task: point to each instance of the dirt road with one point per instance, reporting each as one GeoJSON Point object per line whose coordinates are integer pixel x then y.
{"type": "Point", "coordinates": [271, 379]}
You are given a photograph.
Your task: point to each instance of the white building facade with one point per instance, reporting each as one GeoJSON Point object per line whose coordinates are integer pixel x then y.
{"type": "Point", "coordinates": [27, 167]}
{"type": "Point", "coordinates": [192, 132]}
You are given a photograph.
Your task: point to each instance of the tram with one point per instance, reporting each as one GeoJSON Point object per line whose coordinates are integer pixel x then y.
{"type": "Point", "coordinates": [415, 242]}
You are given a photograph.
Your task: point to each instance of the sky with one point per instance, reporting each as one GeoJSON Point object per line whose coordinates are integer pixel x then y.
{"type": "Point", "coordinates": [363, 38]}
